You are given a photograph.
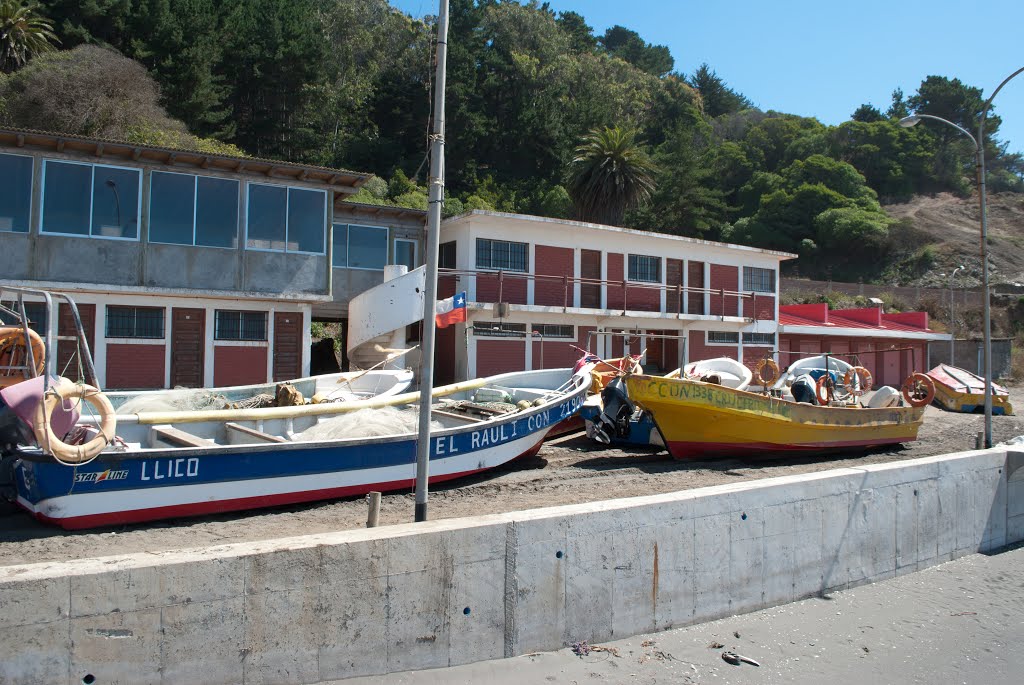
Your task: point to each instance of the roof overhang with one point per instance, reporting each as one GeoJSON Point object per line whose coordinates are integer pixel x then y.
{"type": "Point", "coordinates": [340, 180]}
{"type": "Point", "coordinates": [838, 332]}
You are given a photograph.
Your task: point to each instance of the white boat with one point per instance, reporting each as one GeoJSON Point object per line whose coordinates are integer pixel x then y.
{"type": "Point", "coordinates": [186, 463]}
{"type": "Point", "coordinates": [815, 366]}
{"type": "Point", "coordinates": [720, 371]}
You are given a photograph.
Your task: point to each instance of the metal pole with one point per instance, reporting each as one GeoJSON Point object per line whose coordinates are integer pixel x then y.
{"type": "Point", "coordinates": [984, 260]}
{"type": "Point", "coordinates": [436, 198]}
{"type": "Point", "coordinates": [952, 327]}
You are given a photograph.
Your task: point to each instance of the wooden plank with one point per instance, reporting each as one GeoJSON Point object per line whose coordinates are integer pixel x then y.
{"type": "Point", "coordinates": [176, 436]}
{"type": "Point", "coordinates": [253, 433]}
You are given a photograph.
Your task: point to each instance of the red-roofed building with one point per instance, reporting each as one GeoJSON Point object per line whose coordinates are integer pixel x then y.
{"type": "Point", "coordinates": [890, 346]}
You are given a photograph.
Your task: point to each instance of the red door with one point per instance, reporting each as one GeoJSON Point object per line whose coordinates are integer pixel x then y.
{"type": "Point", "coordinates": [287, 346]}
{"type": "Point", "coordinates": [67, 350]}
{"type": "Point", "coordinates": [188, 344]}
{"type": "Point", "coordinates": [590, 269]}
{"type": "Point", "coordinates": [695, 279]}
{"type": "Point", "coordinates": [673, 283]}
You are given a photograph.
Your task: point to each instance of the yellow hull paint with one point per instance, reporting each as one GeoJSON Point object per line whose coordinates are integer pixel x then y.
{"type": "Point", "coordinates": [699, 418]}
{"type": "Point", "coordinates": [952, 400]}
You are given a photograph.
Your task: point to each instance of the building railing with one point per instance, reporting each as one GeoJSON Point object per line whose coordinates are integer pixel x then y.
{"type": "Point", "coordinates": [616, 295]}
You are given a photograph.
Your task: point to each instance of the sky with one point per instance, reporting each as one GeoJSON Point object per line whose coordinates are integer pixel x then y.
{"type": "Point", "coordinates": [825, 58]}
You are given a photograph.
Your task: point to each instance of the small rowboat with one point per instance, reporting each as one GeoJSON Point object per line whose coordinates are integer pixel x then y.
{"type": "Point", "coordinates": [962, 391]}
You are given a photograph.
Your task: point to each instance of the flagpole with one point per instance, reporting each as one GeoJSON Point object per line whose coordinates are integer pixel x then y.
{"type": "Point", "coordinates": [436, 197]}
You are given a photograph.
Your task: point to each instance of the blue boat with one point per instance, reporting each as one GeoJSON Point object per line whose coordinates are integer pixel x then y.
{"type": "Point", "coordinates": [174, 464]}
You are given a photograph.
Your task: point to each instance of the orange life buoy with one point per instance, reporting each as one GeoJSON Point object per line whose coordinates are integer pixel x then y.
{"type": "Point", "coordinates": [773, 368]}
{"type": "Point", "coordinates": [14, 353]}
{"type": "Point", "coordinates": [858, 380]}
{"type": "Point", "coordinates": [823, 390]}
{"type": "Point", "coordinates": [61, 451]}
{"type": "Point", "coordinates": [918, 390]}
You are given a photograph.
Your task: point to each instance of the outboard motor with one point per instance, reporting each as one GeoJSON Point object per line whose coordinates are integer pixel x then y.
{"type": "Point", "coordinates": [18, 406]}
{"type": "Point", "coordinates": [804, 389]}
{"type": "Point", "coordinates": [614, 418]}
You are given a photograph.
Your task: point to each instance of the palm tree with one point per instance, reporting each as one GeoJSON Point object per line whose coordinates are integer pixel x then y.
{"type": "Point", "coordinates": [610, 174]}
{"type": "Point", "coordinates": [22, 32]}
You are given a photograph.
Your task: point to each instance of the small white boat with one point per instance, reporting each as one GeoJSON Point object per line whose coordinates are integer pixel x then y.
{"type": "Point", "coordinates": [720, 371]}
{"type": "Point", "coordinates": [815, 366]}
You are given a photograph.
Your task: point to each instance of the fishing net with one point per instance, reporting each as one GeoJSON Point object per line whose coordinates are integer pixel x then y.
{"type": "Point", "coordinates": [366, 423]}
{"type": "Point", "coordinates": [179, 399]}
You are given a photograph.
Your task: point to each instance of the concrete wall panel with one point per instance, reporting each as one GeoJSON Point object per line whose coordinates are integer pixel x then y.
{"type": "Point", "coordinates": [448, 592]}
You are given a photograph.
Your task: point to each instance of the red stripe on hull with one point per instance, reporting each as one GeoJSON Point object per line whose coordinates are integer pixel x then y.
{"type": "Point", "coordinates": [691, 450]}
{"type": "Point", "coordinates": [118, 518]}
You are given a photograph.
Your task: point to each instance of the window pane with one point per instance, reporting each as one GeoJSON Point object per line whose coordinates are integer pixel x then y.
{"type": "Point", "coordinates": [268, 216]}
{"type": "Point", "coordinates": [405, 253]}
{"type": "Point", "coordinates": [367, 247]}
{"type": "Point", "coordinates": [115, 203]}
{"type": "Point", "coordinates": [135, 322]}
{"type": "Point", "coordinates": [66, 198]}
{"type": "Point", "coordinates": [227, 325]}
{"type": "Point", "coordinates": [306, 220]}
{"type": "Point", "coordinates": [644, 268]}
{"type": "Point", "coordinates": [216, 212]}
{"type": "Point", "coordinates": [340, 242]}
{"type": "Point", "coordinates": [446, 255]}
{"type": "Point", "coordinates": [15, 193]}
{"type": "Point", "coordinates": [254, 326]}
{"type": "Point", "coordinates": [171, 202]}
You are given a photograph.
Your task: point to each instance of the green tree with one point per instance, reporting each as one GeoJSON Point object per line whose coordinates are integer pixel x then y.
{"type": "Point", "coordinates": [629, 46]}
{"type": "Point", "coordinates": [717, 97]}
{"type": "Point", "coordinates": [23, 33]}
{"type": "Point", "coordinates": [609, 175]}
{"type": "Point", "coordinates": [867, 114]}
{"type": "Point", "coordinates": [580, 34]}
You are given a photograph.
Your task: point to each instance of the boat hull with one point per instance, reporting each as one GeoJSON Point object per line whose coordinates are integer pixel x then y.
{"type": "Point", "coordinates": [121, 488]}
{"type": "Point", "coordinates": [962, 391]}
{"type": "Point", "coordinates": [700, 419]}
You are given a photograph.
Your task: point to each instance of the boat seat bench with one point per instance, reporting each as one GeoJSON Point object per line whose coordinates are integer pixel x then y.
{"type": "Point", "coordinates": [252, 432]}
{"type": "Point", "coordinates": [176, 436]}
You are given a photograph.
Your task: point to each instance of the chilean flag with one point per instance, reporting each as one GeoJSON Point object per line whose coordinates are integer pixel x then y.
{"type": "Point", "coordinates": [451, 310]}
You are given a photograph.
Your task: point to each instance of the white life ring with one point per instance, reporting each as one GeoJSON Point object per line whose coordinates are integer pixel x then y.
{"type": "Point", "coordinates": [52, 444]}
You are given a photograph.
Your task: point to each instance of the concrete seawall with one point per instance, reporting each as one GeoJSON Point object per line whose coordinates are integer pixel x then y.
{"type": "Point", "coordinates": [416, 596]}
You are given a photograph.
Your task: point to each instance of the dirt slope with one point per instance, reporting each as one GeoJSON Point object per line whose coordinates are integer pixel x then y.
{"type": "Point", "coordinates": [952, 225]}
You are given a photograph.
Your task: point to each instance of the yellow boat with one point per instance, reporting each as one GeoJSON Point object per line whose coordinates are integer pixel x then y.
{"type": "Point", "coordinates": [960, 390]}
{"type": "Point", "coordinates": [701, 419]}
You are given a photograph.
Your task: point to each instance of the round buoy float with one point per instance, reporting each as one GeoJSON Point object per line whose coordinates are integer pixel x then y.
{"type": "Point", "coordinates": [51, 443]}
{"type": "Point", "coordinates": [858, 380]}
{"type": "Point", "coordinates": [918, 390]}
{"type": "Point", "coordinates": [13, 352]}
{"type": "Point", "coordinates": [824, 390]}
{"type": "Point", "coordinates": [767, 371]}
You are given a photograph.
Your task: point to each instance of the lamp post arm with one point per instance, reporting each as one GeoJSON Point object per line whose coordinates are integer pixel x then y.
{"type": "Point", "coordinates": [946, 121]}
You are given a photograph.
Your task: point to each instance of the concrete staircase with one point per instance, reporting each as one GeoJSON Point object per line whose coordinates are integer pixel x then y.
{"type": "Point", "coordinates": [378, 318]}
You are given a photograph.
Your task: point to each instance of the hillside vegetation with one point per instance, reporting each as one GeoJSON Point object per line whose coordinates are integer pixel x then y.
{"type": "Point", "coordinates": [544, 117]}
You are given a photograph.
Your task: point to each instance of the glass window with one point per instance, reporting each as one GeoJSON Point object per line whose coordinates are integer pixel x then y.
{"type": "Point", "coordinates": [216, 212]}
{"type": "Point", "coordinates": [35, 311]}
{"type": "Point", "coordinates": [135, 322]}
{"type": "Point", "coordinates": [758, 280]}
{"type": "Point", "coordinates": [90, 199]}
{"type": "Point", "coordinates": [172, 208]}
{"type": "Point", "coordinates": [553, 330]}
{"type": "Point", "coordinates": [367, 247]}
{"type": "Point", "coordinates": [446, 255]}
{"type": "Point", "coordinates": [405, 253]}
{"type": "Point", "coordinates": [286, 219]}
{"type": "Point", "coordinates": [500, 254]}
{"type": "Point", "coordinates": [644, 269]}
{"type": "Point", "coordinates": [66, 197]}
{"type": "Point", "coordinates": [229, 325]}
{"type": "Point", "coordinates": [340, 242]}
{"type": "Point", "coordinates": [268, 217]}
{"type": "Point", "coordinates": [306, 220]}
{"type": "Point", "coordinates": [15, 193]}
{"type": "Point", "coordinates": [115, 202]}
{"type": "Point", "coordinates": [759, 339]}
{"type": "Point", "coordinates": [723, 337]}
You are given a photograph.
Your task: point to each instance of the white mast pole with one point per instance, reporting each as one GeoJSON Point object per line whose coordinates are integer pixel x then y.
{"type": "Point", "coordinates": [436, 184]}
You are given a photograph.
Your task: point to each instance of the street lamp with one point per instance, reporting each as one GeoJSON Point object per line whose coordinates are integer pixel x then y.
{"type": "Point", "coordinates": [952, 331]}
{"type": "Point", "coordinates": [979, 148]}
